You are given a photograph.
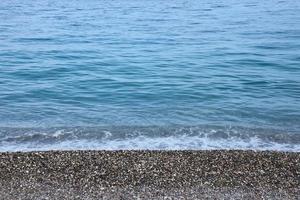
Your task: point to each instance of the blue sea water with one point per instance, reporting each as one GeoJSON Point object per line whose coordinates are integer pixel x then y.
{"type": "Point", "coordinates": [141, 74]}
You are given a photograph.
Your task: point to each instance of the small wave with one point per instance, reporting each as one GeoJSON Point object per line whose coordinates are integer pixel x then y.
{"type": "Point", "coordinates": [152, 138]}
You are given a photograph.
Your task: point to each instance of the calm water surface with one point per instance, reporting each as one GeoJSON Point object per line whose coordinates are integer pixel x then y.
{"type": "Point", "coordinates": [140, 74]}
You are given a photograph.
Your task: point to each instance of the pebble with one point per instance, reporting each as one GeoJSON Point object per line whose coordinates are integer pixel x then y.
{"type": "Point", "coordinates": [226, 174]}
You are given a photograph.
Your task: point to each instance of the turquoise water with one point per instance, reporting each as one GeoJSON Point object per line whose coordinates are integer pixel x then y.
{"type": "Point", "coordinates": [149, 74]}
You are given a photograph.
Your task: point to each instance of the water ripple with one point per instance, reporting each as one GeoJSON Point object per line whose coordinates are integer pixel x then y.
{"type": "Point", "coordinates": [98, 63]}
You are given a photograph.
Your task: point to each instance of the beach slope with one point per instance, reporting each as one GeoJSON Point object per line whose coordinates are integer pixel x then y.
{"type": "Point", "coordinates": [150, 175]}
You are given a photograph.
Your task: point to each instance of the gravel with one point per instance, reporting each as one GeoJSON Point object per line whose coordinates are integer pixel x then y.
{"type": "Point", "coordinates": [150, 175]}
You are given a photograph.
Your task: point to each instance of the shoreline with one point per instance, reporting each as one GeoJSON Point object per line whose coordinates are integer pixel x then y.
{"type": "Point", "coordinates": [127, 174]}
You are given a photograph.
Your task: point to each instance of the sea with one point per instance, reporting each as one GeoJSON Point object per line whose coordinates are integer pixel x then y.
{"type": "Point", "coordinates": [149, 74]}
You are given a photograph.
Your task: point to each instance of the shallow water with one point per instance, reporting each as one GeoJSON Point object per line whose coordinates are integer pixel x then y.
{"type": "Point", "coordinates": [100, 64]}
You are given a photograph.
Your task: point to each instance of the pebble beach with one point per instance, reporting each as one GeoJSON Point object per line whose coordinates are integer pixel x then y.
{"type": "Point", "coordinates": [218, 174]}
{"type": "Point", "coordinates": [138, 99]}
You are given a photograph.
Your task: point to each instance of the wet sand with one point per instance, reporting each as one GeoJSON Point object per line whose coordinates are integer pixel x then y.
{"type": "Point", "coordinates": [150, 175]}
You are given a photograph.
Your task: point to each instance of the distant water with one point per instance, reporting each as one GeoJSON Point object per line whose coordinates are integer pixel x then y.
{"type": "Point", "coordinates": [139, 74]}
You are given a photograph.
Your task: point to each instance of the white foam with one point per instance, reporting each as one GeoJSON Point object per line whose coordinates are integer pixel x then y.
{"type": "Point", "coordinates": [155, 143]}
